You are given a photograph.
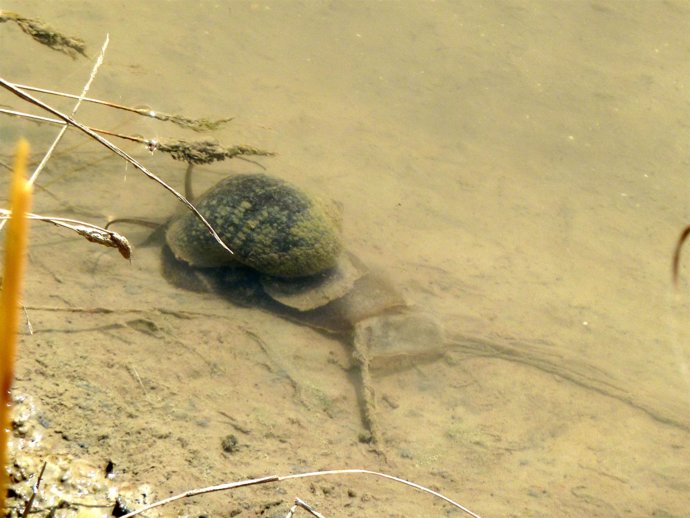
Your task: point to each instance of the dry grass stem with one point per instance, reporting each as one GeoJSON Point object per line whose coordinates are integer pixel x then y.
{"type": "Point", "coordinates": [275, 478]}
{"type": "Point", "coordinates": [149, 143]}
{"type": "Point", "coordinates": [30, 116]}
{"type": "Point", "coordinates": [58, 138]}
{"type": "Point", "coordinates": [198, 125]}
{"type": "Point", "coordinates": [46, 35]}
{"type": "Point", "coordinates": [90, 232]}
{"type": "Point", "coordinates": [34, 492]}
{"type": "Point", "coordinates": [299, 503]}
{"type": "Point", "coordinates": [194, 152]}
{"type": "Point", "coordinates": [119, 152]}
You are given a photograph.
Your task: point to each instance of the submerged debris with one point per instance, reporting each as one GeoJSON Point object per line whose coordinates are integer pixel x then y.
{"type": "Point", "coordinates": [46, 35]}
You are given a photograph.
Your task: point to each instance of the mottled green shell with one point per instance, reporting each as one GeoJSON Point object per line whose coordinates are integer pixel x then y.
{"type": "Point", "coordinates": [270, 226]}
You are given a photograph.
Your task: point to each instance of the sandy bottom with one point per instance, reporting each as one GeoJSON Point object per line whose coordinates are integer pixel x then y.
{"type": "Point", "coordinates": [520, 172]}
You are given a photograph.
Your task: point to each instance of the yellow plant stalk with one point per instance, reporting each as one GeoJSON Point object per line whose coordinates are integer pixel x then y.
{"type": "Point", "coordinates": [15, 248]}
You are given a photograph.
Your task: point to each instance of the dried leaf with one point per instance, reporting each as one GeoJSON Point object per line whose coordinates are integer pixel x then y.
{"type": "Point", "coordinates": [106, 238]}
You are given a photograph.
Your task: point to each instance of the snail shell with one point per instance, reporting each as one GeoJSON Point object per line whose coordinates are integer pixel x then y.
{"type": "Point", "coordinates": [269, 224]}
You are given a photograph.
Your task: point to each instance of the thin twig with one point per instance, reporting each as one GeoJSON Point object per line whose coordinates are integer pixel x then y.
{"type": "Point", "coordinates": [38, 118]}
{"type": "Point", "coordinates": [203, 151]}
{"type": "Point", "coordinates": [180, 120]}
{"type": "Point", "coordinates": [31, 116]}
{"type": "Point", "coordinates": [112, 147]}
{"type": "Point", "coordinates": [194, 492]}
{"type": "Point", "coordinates": [58, 138]}
{"type": "Point", "coordinates": [90, 232]}
{"type": "Point", "coordinates": [274, 478]}
{"type": "Point", "coordinates": [304, 505]}
{"type": "Point", "coordinates": [34, 492]}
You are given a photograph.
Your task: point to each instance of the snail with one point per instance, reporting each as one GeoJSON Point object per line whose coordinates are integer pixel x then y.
{"type": "Point", "coordinates": [289, 258]}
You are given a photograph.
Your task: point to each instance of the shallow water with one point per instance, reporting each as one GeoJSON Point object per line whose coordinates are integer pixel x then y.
{"type": "Point", "coordinates": [518, 169]}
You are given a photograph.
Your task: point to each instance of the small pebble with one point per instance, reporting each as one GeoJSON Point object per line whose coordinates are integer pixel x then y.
{"type": "Point", "coordinates": [230, 444]}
